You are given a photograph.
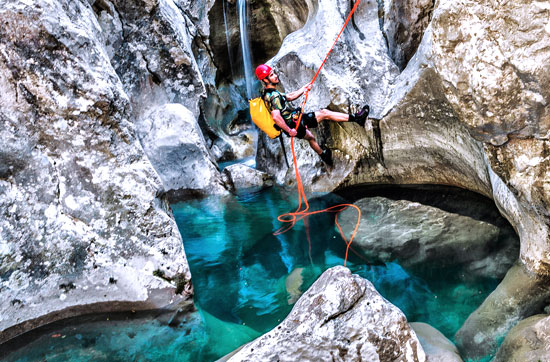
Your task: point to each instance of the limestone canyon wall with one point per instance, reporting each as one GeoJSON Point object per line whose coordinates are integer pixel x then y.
{"type": "Point", "coordinates": [94, 92]}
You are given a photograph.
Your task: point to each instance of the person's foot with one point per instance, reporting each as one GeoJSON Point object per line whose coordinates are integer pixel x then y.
{"type": "Point", "coordinates": [361, 117]}
{"type": "Point", "coordinates": [326, 156]}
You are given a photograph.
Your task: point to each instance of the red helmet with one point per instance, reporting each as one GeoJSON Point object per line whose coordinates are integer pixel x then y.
{"type": "Point", "coordinates": [262, 71]}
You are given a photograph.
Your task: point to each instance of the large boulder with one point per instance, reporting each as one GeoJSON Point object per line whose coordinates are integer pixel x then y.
{"type": "Point", "coordinates": [173, 142]}
{"type": "Point", "coordinates": [343, 317]}
{"type": "Point", "coordinates": [491, 60]}
{"type": "Point", "coordinates": [84, 229]}
{"type": "Point", "coordinates": [436, 346]}
{"type": "Point", "coordinates": [527, 341]}
{"type": "Point", "coordinates": [417, 235]}
{"type": "Point", "coordinates": [246, 179]}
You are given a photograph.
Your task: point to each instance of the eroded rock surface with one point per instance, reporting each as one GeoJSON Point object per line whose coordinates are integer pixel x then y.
{"type": "Point", "coordinates": [341, 317]}
{"type": "Point", "coordinates": [527, 341]}
{"type": "Point", "coordinates": [83, 228]}
{"type": "Point", "coordinates": [520, 295]}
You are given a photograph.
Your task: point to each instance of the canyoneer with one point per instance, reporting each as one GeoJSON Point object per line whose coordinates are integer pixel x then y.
{"type": "Point", "coordinates": [285, 117]}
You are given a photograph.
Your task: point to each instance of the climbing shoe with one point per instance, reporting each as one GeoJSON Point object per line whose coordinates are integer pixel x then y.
{"type": "Point", "coordinates": [361, 116]}
{"type": "Point", "coordinates": [326, 156]}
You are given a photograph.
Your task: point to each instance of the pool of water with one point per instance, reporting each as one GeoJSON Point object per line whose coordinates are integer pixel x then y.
{"type": "Point", "coordinates": [246, 280]}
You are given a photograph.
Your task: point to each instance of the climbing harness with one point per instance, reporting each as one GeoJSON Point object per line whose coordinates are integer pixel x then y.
{"type": "Point", "coordinates": [302, 214]}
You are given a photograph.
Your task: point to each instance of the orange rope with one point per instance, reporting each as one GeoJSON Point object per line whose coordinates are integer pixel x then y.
{"type": "Point", "coordinates": [301, 214]}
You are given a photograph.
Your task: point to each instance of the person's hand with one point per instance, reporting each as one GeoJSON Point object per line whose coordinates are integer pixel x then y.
{"type": "Point", "coordinates": [292, 132]}
{"type": "Point", "coordinates": [308, 87]}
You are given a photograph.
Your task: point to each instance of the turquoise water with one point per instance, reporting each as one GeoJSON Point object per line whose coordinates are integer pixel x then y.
{"type": "Point", "coordinates": [242, 286]}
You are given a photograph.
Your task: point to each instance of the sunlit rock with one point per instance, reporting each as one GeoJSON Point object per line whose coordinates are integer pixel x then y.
{"type": "Point", "coordinates": [83, 228]}
{"type": "Point", "coordinates": [527, 341]}
{"type": "Point", "coordinates": [520, 295]}
{"type": "Point", "coordinates": [173, 142]}
{"type": "Point", "coordinates": [243, 178]}
{"type": "Point", "coordinates": [340, 316]}
{"type": "Point", "coordinates": [418, 235]}
{"type": "Point", "coordinates": [436, 346]}
{"type": "Point", "coordinates": [155, 62]}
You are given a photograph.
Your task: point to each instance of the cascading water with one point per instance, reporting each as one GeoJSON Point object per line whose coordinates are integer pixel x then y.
{"type": "Point", "coordinates": [245, 46]}
{"type": "Point", "coordinates": [227, 37]}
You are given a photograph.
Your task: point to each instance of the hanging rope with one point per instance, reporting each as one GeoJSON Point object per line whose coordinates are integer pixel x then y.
{"type": "Point", "coordinates": [302, 213]}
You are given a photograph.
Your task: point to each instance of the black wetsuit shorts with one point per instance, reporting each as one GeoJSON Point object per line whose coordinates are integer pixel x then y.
{"type": "Point", "coordinates": [308, 121]}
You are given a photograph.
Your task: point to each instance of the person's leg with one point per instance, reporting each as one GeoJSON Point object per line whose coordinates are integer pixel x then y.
{"type": "Point", "coordinates": [324, 114]}
{"type": "Point", "coordinates": [312, 142]}
{"type": "Point", "coordinates": [359, 117]}
{"type": "Point", "coordinates": [324, 153]}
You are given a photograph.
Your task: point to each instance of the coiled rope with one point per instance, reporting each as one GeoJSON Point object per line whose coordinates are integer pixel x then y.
{"type": "Point", "coordinates": [292, 218]}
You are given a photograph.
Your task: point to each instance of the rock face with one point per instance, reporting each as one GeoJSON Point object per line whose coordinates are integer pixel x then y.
{"type": "Point", "coordinates": [83, 228]}
{"type": "Point", "coordinates": [340, 317]}
{"type": "Point", "coordinates": [491, 60]}
{"type": "Point", "coordinates": [527, 341]}
{"type": "Point", "coordinates": [173, 142]}
{"type": "Point", "coordinates": [404, 26]}
{"type": "Point", "coordinates": [154, 59]}
{"type": "Point", "coordinates": [418, 235]}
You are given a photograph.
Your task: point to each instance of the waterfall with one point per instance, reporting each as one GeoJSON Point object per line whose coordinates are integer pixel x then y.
{"type": "Point", "coordinates": [227, 37]}
{"type": "Point", "coordinates": [245, 46]}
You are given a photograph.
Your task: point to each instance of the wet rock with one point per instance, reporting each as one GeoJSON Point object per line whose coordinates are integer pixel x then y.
{"type": "Point", "coordinates": [436, 346]}
{"type": "Point", "coordinates": [417, 235]}
{"type": "Point", "coordinates": [342, 317]}
{"type": "Point", "coordinates": [245, 179]}
{"type": "Point", "coordinates": [79, 198]}
{"type": "Point", "coordinates": [173, 142]}
{"type": "Point", "coordinates": [527, 341]}
{"type": "Point", "coordinates": [519, 295]}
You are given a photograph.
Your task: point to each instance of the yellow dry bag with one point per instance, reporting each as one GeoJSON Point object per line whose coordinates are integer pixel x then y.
{"type": "Point", "coordinates": [262, 117]}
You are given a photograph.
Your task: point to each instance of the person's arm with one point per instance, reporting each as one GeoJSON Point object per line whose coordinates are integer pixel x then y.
{"type": "Point", "coordinates": [293, 95]}
{"type": "Point", "coordinates": [279, 121]}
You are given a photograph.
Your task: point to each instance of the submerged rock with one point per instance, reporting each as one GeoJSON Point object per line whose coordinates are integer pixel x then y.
{"type": "Point", "coordinates": [519, 295]}
{"type": "Point", "coordinates": [527, 341]}
{"type": "Point", "coordinates": [340, 317]}
{"type": "Point", "coordinates": [436, 346]}
{"type": "Point", "coordinates": [173, 142]}
{"type": "Point", "coordinates": [418, 235]}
